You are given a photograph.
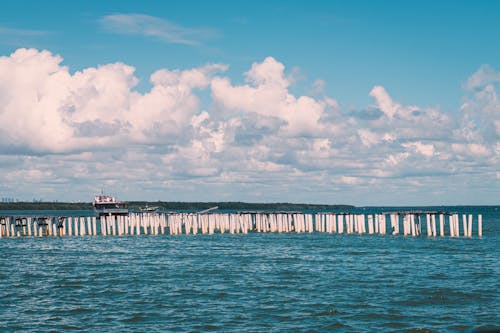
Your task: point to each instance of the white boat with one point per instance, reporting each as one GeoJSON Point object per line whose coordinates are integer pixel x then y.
{"type": "Point", "coordinates": [108, 205]}
{"type": "Point", "coordinates": [149, 209]}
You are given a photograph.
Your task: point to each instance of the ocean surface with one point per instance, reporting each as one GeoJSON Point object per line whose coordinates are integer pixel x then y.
{"type": "Point", "coordinates": [253, 283]}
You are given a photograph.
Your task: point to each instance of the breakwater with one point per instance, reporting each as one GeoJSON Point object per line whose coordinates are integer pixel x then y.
{"type": "Point", "coordinates": [406, 223]}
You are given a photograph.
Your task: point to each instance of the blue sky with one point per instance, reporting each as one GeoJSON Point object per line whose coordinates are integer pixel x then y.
{"type": "Point", "coordinates": [422, 53]}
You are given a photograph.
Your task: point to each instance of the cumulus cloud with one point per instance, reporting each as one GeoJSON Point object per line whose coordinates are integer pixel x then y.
{"type": "Point", "coordinates": [384, 101]}
{"type": "Point", "coordinates": [32, 86]}
{"type": "Point", "coordinates": [421, 148]}
{"type": "Point", "coordinates": [266, 94]}
{"type": "Point", "coordinates": [481, 107]}
{"type": "Point", "coordinates": [155, 27]}
{"type": "Point", "coordinates": [483, 76]}
{"type": "Point", "coordinates": [48, 109]}
{"type": "Point", "coordinates": [252, 141]}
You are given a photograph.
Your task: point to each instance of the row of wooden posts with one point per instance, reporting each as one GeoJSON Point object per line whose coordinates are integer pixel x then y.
{"type": "Point", "coordinates": [407, 224]}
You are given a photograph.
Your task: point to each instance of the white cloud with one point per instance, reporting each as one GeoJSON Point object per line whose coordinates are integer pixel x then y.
{"type": "Point", "coordinates": [472, 149]}
{"type": "Point", "coordinates": [32, 86]}
{"type": "Point", "coordinates": [318, 87]}
{"type": "Point", "coordinates": [367, 137]}
{"type": "Point", "coordinates": [267, 95]}
{"type": "Point", "coordinates": [482, 77]}
{"type": "Point", "coordinates": [481, 114]}
{"type": "Point", "coordinates": [151, 26]}
{"type": "Point", "coordinates": [48, 109]}
{"type": "Point", "coordinates": [350, 180]}
{"type": "Point", "coordinates": [384, 101]}
{"type": "Point", "coordinates": [254, 141]}
{"type": "Point", "coordinates": [421, 148]}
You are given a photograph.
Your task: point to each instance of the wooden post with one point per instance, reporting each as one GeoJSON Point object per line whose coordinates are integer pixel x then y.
{"type": "Point", "coordinates": [370, 224]}
{"type": "Point", "coordinates": [480, 225]}
{"type": "Point", "coordinates": [10, 228]}
{"type": "Point", "coordinates": [464, 224]}
{"type": "Point", "coordinates": [469, 227]}
{"type": "Point", "coordinates": [340, 224]}
{"type": "Point", "coordinates": [70, 226]}
{"type": "Point", "coordinates": [28, 225]}
{"type": "Point", "coordinates": [54, 227]}
{"type": "Point", "coordinates": [109, 230]}
{"type": "Point", "coordinates": [137, 223]}
{"type": "Point", "coordinates": [428, 225]}
{"type": "Point", "coordinates": [82, 226]}
{"type": "Point", "coordinates": [35, 227]}
{"type": "Point", "coordinates": [451, 222]}
{"type": "Point", "coordinates": [49, 227]}
{"type": "Point", "coordinates": [76, 220]}
{"type": "Point", "coordinates": [441, 225]}
{"type": "Point", "coordinates": [406, 225]}
{"type": "Point", "coordinates": [104, 227]}
{"type": "Point", "coordinates": [433, 218]}
{"type": "Point", "coordinates": [412, 225]}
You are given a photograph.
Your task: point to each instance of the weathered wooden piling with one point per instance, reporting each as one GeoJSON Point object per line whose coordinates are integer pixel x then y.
{"type": "Point", "coordinates": [480, 225]}
{"type": "Point", "coordinates": [433, 219]}
{"type": "Point", "coordinates": [209, 223]}
{"type": "Point", "coordinates": [469, 227]}
{"type": "Point", "coordinates": [441, 225]}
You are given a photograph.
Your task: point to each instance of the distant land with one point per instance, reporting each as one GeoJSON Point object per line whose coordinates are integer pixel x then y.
{"type": "Point", "coordinates": [164, 205]}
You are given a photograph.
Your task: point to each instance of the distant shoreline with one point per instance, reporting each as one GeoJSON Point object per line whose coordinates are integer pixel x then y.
{"type": "Point", "coordinates": [167, 205]}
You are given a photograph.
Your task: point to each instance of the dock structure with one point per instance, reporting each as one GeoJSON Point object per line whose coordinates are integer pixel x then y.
{"type": "Point", "coordinates": [405, 223]}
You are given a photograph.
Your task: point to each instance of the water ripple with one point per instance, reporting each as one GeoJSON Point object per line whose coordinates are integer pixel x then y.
{"type": "Point", "coordinates": [256, 282]}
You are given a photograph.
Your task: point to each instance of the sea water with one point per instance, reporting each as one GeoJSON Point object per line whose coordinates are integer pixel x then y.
{"type": "Point", "coordinates": [253, 283]}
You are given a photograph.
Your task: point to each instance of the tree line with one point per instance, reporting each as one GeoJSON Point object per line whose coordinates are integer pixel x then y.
{"type": "Point", "coordinates": [169, 205]}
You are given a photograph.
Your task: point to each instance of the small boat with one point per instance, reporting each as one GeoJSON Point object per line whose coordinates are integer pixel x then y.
{"type": "Point", "coordinates": [149, 209]}
{"type": "Point", "coordinates": [108, 205]}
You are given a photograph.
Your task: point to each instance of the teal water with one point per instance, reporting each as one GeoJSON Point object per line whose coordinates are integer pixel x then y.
{"type": "Point", "coordinates": [252, 283]}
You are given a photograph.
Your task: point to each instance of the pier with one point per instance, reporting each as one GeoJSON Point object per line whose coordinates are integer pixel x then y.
{"type": "Point", "coordinates": [405, 223]}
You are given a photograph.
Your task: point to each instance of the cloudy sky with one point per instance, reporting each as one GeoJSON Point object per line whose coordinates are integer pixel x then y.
{"type": "Point", "coordinates": [355, 102]}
